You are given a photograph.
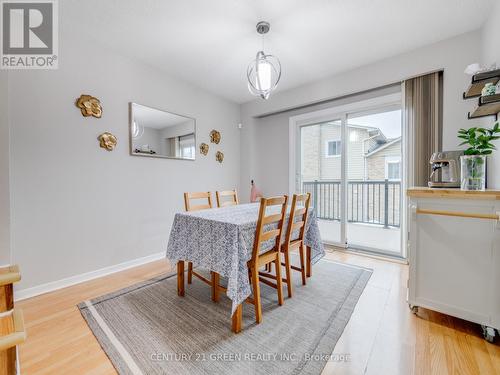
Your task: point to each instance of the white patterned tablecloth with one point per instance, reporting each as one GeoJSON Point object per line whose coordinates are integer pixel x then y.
{"type": "Point", "coordinates": [221, 240]}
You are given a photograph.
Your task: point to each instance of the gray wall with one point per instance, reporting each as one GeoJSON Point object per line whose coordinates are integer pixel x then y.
{"type": "Point", "coordinates": [265, 157]}
{"type": "Point", "coordinates": [150, 137]}
{"type": "Point", "coordinates": [491, 54]}
{"type": "Point", "coordinates": [4, 172]}
{"type": "Point", "coordinates": [78, 208]}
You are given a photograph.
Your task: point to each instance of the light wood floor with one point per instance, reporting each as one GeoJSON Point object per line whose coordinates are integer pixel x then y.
{"type": "Point", "coordinates": [382, 337]}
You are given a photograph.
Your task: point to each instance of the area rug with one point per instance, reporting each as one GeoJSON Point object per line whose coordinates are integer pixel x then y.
{"type": "Point", "coordinates": [148, 329]}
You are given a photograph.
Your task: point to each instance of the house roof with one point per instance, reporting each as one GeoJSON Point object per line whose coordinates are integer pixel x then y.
{"type": "Point", "coordinates": [383, 146]}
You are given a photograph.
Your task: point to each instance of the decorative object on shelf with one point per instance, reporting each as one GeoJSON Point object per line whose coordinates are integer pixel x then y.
{"type": "Point", "coordinates": [219, 156]}
{"type": "Point", "coordinates": [149, 152]}
{"type": "Point", "coordinates": [263, 73]}
{"type": "Point", "coordinates": [476, 68]}
{"type": "Point", "coordinates": [473, 163]}
{"type": "Point", "coordinates": [488, 89]}
{"type": "Point", "coordinates": [107, 141]}
{"type": "Point", "coordinates": [89, 106]}
{"type": "Point", "coordinates": [144, 149]}
{"type": "Point", "coordinates": [215, 137]}
{"type": "Point", "coordinates": [479, 80]}
{"type": "Point", "coordinates": [204, 149]}
{"type": "Point", "coordinates": [472, 69]}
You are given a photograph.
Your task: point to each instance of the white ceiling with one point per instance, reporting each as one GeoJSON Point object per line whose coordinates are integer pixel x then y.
{"type": "Point", "coordinates": [155, 118]}
{"type": "Point", "coordinates": [210, 42]}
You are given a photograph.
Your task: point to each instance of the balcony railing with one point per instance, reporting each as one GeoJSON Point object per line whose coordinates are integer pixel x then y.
{"type": "Point", "coordinates": [370, 202]}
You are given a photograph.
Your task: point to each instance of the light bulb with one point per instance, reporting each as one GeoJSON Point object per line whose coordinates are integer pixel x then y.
{"type": "Point", "coordinates": [263, 76]}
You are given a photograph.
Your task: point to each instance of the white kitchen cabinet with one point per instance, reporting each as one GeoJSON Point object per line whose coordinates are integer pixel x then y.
{"type": "Point", "coordinates": [454, 254]}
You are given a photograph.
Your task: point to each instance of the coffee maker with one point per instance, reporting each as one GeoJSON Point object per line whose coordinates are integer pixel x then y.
{"type": "Point", "coordinates": [445, 167]}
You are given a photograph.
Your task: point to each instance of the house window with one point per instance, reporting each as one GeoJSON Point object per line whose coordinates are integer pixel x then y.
{"type": "Point", "coordinates": [393, 168]}
{"type": "Point", "coordinates": [333, 148]}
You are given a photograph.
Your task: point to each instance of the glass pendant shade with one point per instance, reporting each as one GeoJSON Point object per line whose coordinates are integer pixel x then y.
{"type": "Point", "coordinates": [263, 74]}
{"type": "Point", "coordinates": [137, 130]}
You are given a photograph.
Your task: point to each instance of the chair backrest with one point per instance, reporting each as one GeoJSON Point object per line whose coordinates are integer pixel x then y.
{"type": "Point", "coordinates": [301, 213]}
{"type": "Point", "coordinates": [222, 202]}
{"type": "Point", "coordinates": [188, 197]}
{"type": "Point", "coordinates": [262, 236]}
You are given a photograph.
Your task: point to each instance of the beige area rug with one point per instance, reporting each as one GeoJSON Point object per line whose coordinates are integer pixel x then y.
{"type": "Point", "coordinates": [148, 329]}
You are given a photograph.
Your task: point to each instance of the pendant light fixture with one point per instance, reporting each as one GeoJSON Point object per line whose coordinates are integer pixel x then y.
{"type": "Point", "coordinates": [264, 72]}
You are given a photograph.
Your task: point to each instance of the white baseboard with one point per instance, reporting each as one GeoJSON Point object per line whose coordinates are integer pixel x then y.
{"type": "Point", "coordinates": [63, 283]}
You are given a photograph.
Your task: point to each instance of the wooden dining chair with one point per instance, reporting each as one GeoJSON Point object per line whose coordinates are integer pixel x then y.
{"type": "Point", "coordinates": [296, 222]}
{"type": "Point", "coordinates": [188, 197]}
{"type": "Point", "coordinates": [263, 234]}
{"type": "Point", "coordinates": [214, 276]}
{"type": "Point", "coordinates": [222, 200]}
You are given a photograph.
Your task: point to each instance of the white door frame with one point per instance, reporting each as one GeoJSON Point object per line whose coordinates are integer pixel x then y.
{"type": "Point", "coordinates": [341, 113]}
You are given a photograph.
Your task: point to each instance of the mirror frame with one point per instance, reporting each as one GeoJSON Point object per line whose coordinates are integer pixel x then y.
{"type": "Point", "coordinates": [131, 146]}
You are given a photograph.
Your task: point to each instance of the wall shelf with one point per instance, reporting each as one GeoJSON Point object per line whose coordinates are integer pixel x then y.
{"type": "Point", "coordinates": [487, 106]}
{"type": "Point", "coordinates": [478, 82]}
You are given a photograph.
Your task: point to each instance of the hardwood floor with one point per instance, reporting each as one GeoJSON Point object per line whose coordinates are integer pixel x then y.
{"type": "Point", "coordinates": [382, 337]}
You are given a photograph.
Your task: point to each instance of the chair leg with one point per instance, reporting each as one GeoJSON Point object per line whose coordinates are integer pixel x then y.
{"type": "Point", "coordinates": [190, 272]}
{"type": "Point", "coordinates": [288, 272]}
{"type": "Point", "coordinates": [308, 264]}
{"type": "Point", "coordinates": [215, 286]}
{"type": "Point", "coordinates": [279, 281]}
{"type": "Point", "coordinates": [180, 278]}
{"type": "Point", "coordinates": [302, 265]}
{"type": "Point", "coordinates": [256, 294]}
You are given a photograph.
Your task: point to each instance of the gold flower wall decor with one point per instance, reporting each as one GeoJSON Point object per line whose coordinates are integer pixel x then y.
{"type": "Point", "coordinates": [219, 156]}
{"type": "Point", "coordinates": [107, 141]}
{"type": "Point", "coordinates": [215, 137]}
{"type": "Point", "coordinates": [89, 106]}
{"type": "Point", "coordinates": [204, 149]}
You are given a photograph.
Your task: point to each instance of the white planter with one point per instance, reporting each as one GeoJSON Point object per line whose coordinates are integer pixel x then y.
{"type": "Point", "coordinates": [473, 168]}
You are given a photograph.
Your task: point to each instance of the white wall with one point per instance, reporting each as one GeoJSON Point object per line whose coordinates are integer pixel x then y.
{"type": "Point", "coordinates": [4, 172]}
{"type": "Point", "coordinates": [491, 54]}
{"type": "Point", "coordinates": [265, 157]}
{"type": "Point", "coordinates": [78, 208]}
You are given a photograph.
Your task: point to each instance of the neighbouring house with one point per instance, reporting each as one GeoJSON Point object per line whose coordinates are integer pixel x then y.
{"type": "Point", "coordinates": [371, 155]}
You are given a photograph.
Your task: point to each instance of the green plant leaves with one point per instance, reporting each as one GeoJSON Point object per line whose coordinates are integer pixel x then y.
{"type": "Point", "coordinates": [479, 139]}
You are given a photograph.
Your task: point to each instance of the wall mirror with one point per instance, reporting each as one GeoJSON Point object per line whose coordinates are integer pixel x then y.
{"type": "Point", "coordinates": [157, 133]}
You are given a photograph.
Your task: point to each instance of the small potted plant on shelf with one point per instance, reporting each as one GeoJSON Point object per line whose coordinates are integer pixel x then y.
{"type": "Point", "coordinates": [473, 163]}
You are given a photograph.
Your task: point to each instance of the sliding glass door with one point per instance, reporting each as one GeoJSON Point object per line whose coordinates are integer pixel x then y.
{"type": "Point", "coordinates": [374, 175]}
{"type": "Point", "coordinates": [321, 175]}
{"type": "Point", "coordinates": [353, 167]}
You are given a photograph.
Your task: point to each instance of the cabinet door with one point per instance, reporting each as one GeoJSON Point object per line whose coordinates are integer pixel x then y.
{"type": "Point", "coordinates": [453, 259]}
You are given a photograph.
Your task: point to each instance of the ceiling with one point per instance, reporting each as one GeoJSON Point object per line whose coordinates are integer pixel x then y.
{"type": "Point", "coordinates": [210, 42]}
{"type": "Point", "coordinates": [156, 119]}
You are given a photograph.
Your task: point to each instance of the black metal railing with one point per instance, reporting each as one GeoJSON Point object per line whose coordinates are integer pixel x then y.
{"type": "Point", "coordinates": [370, 202]}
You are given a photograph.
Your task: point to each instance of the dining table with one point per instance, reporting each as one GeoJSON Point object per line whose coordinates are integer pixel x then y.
{"type": "Point", "coordinates": [221, 240]}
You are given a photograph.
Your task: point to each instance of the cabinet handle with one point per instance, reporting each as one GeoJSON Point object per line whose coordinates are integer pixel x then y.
{"type": "Point", "coordinates": [458, 214]}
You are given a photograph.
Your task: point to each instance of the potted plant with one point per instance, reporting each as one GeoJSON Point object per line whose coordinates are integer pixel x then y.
{"type": "Point", "coordinates": [473, 162]}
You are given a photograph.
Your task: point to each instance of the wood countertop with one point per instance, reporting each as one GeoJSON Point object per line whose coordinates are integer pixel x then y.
{"type": "Point", "coordinates": [425, 192]}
